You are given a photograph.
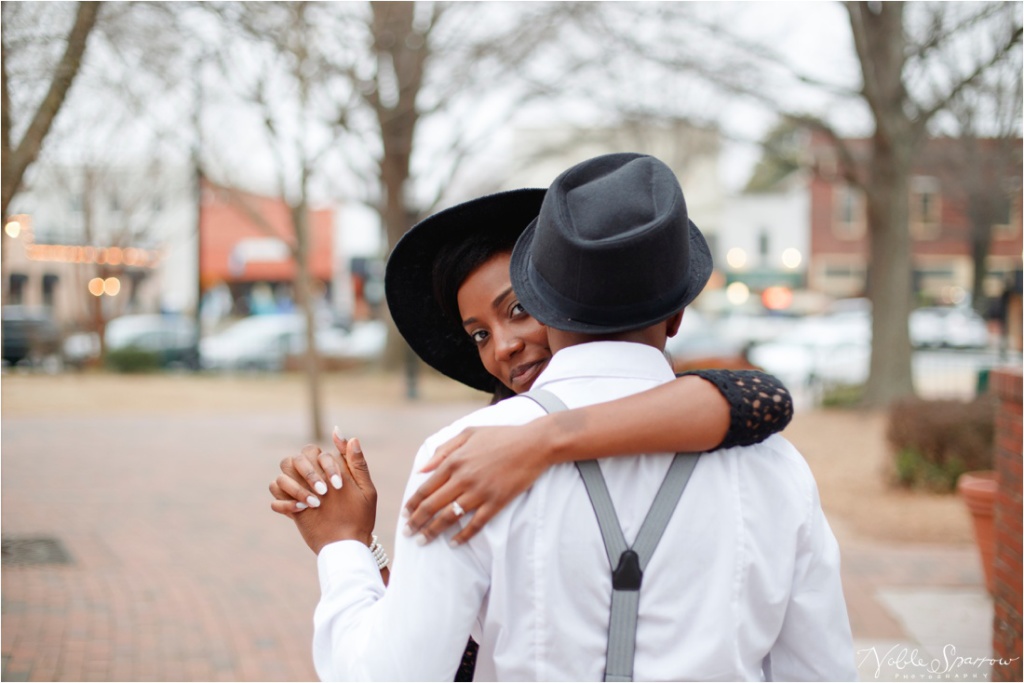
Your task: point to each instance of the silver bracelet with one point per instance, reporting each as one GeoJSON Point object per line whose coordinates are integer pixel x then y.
{"type": "Point", "coordinates": [377, 550]}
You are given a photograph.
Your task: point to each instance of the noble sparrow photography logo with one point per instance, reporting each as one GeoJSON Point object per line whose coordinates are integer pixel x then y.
{"type": "Point", "coordinates": [901, 662]}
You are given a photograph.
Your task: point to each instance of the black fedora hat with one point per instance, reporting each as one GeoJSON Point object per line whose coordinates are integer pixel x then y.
{"type": "Point", "coordinates": [409, 279]}
{"type": "Point", "coordinates": [612, 249]}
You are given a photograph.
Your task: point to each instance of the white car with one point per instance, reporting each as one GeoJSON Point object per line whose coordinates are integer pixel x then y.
{"type": "Point", "coordinates": [948, 326]}
{"type": "Point", "coordinates": [819, 350]}
{"type": "Point", "coordinates": [171, 337]}
{"type": "Point", "coordinates": [264, 342]}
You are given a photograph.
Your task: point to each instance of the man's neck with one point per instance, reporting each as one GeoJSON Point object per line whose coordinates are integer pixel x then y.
{"type": "Point", "coordinates": [652, 336]}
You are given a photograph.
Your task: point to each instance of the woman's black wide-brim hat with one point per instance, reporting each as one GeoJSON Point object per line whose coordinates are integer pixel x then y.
{"type": "Point", "coordinates": [409, 279]}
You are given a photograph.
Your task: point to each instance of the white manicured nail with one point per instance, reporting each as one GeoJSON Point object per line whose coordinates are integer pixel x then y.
{"type": "Point", "coordinates": [336, 481]}
{"type": "Point", "coordinates": [313, 501]}
{"type": "Point", "coordinates": [421, 540]}
{"type": "Point", "coordinates": [301, 506]}
{"type": "Point", "coordinates": [405, 513]}
{"type": "Point", "coordinates": [407, 530]}
{"type": "Point", "coordinates": [320, 488]}
{"type": "Point", "coordinates": [337, 433]}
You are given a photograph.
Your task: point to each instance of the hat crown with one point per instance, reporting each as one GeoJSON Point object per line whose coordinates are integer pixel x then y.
{"type": "Point", "coordinates": [611, 248]}
{"type": "Point", "coordinates": [622, 209]}
{"type": "Point", "coordinates": [606, 202]}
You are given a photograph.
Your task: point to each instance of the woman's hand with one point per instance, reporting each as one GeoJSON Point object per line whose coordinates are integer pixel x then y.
{"type": "Point", "coordinates": [348, 513]}
{"type": "Point", "coordinates": [483, 469]}
{"type": "Point", "coordinates": [301, 476]}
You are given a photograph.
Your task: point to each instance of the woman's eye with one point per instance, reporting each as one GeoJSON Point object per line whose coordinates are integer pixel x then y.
{"type": "Point", "coordinates": [517, 309]}
{"type": "Point", "coordinates": [478, 337]}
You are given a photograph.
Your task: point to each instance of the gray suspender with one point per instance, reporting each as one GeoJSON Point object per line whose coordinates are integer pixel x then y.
{"type": "Point", "coordinates": [629, 562]}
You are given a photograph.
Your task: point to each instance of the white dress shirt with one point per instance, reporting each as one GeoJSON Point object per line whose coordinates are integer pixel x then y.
{"type": "Point", "coordinates": [747, 567]}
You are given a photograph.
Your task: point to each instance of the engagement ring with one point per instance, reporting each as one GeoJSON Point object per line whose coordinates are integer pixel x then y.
{"type": "Point", "coordinates": [457, 509]}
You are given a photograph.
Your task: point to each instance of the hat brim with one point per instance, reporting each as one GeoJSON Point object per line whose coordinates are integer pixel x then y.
{"type": "Point", "coordinates": [540, 300]}
{"type": "Point", "coordinates": [409, 280]}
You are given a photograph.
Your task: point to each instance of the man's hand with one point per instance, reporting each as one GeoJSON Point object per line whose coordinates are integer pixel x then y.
{"type": "Point", "coordinates": [348, 513]}
{"type": "Point", "coordinates": [483, 469]}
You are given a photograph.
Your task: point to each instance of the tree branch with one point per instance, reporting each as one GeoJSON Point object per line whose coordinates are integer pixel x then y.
{"type": "Point", "coordinates": [17, 159]}
{"type": "Point", "coordinates": [1012, 42]}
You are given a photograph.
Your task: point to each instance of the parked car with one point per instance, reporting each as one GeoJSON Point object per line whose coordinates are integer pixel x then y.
{"type": "Point", "coordinates": [81, 349]}
{"type": "Point", "coordinates": [700, 344]}
{"type": "Point", "coordinates": [171, 338]}
{"type": "Point", "coordinates": [819, 350]}
{"type": "Point", "coordinates": [259, 342]}
{"type": "Point", "coordinates": [948, 326]}
{"type": "Point", "coordinates": [30, 336]}
{"type": "Point", "coordinates": [265, 342]}
{"type": "Point", "coordinates": [364, 341]}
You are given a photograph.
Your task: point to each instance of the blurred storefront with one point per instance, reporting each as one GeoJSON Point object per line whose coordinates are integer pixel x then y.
{"type": "Point", "coordinates": [245, 253]}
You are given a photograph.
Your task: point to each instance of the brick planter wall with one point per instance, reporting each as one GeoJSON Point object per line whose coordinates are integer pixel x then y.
{"type": "Point", "coordinates": [1006, 638]}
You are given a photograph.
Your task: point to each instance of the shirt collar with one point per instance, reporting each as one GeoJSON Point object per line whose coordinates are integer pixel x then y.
{"type": "Point", "coordinates": [607, 359]}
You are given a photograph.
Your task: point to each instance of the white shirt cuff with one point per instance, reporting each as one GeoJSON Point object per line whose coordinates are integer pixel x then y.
{"type": "Point", "coordinates": [345, 562]}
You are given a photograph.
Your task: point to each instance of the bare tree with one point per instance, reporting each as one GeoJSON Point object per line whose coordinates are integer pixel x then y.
{"type": "Point", "coordinates": [371, 75]}
{"type": "Point", "coordinates": [980, 165]}
{"type": "Point", "coordinates": [914, 62]}
{"type": "Point", "coordinates": [904, 97]}
{"type": "Point", "coordinates": [293, 90]}
{"type": "Point", "coordinates": [19, 155]}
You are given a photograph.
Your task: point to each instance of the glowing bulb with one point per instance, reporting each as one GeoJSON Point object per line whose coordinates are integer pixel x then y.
{"type": "Point", "coordinates": [96, 286]}
{"type": "Point", "coordinates": [736, 258]}
{"type": "Point", "coordinates": [791, 258]}
{"type": "Point", "coordinates": [737, 293]}
{"type": "Point", "coordinates": [111, 286]}
{"type": "Point", "coordinates": [13, 228]}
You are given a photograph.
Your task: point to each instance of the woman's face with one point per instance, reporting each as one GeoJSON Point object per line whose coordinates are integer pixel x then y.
{"type": "Point", "coordinates": [512, 345]}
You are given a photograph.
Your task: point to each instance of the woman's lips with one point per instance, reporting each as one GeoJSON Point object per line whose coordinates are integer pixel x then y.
{"type": "Point", "coordinates": [523, 375]}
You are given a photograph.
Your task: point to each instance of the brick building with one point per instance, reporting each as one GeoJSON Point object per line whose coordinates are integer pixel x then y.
{"type": "Point", "coordinates": [945, 181]}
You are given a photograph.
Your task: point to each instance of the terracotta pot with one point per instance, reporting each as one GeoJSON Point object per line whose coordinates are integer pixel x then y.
{"type": "Point", "coordinates": [979, 492]}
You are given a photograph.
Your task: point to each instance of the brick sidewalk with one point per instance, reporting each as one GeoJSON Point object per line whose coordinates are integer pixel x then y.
{"type": "Point", "coordinates": [179, 571]}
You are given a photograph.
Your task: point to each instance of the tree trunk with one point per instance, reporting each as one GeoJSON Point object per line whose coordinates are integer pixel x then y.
{"type": "Point", "coordinates": [890, 283]}
{"type": "Point", "coordinates": [881, 49]}
{"type": "Point", "coordinates": [402, 50]}
{"type": "Point", "coordinates": [981, 218]}
{"type": "Point", "coordinates": [304, 299]}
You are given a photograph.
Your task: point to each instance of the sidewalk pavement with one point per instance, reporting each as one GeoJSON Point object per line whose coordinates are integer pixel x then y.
{"type": "Point", "coordinates": [176, 569]}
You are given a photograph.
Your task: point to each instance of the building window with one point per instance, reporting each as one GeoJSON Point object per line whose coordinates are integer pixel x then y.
{"type": "Point", "coordinates": [925, 207]}
{"type": "Point", "coordinates": [1006, 226]}
{"type": "Point", "coordinates": [49, 288]}
{"type": "Point", "coordinates": [16, 292]}
{"type": "Point", "coordinates": [849, 222]}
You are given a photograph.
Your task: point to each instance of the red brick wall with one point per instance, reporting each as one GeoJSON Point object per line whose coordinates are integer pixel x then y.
{"type": "Point", "coordinates": [1006, 638]}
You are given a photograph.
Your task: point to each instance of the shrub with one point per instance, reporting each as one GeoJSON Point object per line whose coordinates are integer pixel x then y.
{"type": "Point", "coordinates": [842, 395]}
{"type": "Point", "coordinates": [133, 359]}
{"type": "Point", "coordinates": [934, 442]}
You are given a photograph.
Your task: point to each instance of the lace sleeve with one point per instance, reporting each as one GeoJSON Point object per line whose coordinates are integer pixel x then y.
{"type": "Point", "coordinates": [759, 405]}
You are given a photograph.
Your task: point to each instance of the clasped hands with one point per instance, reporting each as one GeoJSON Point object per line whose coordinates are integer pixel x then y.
{"type": "Point", "coordinates": [482, 469]}
{"type": "Point", "coordinates": [347, 511]}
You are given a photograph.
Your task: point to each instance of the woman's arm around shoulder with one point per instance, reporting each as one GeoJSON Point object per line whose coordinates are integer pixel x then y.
{"type": "Point", "coordinates": [484, 468]}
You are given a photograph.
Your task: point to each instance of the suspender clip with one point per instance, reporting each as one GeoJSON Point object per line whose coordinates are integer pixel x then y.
{"type": "Point", "coordinates": [628, 575]}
